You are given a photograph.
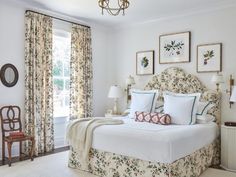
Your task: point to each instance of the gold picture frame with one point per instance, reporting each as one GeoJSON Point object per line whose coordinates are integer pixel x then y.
{"type": "Point", "coordinates": [209, 57]}
{"type": "Point", "coordinates": [175, 48]}
{"type": "Point", "coordinates": [145, 62]}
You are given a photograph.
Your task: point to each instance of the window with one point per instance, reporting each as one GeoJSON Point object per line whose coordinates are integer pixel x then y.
{"type": "Point", "coordinates": [61, 83]}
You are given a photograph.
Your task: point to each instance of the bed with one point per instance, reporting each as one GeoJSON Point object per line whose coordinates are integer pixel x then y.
{"type": "Point", "coordinates": [128, 149]}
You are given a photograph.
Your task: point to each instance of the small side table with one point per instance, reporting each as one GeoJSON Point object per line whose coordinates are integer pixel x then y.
{"type": "Point", "coordinates": [228, 148]}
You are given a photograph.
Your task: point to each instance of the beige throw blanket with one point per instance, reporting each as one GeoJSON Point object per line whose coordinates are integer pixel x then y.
{"type": "Point", "coordinates": [79, 134]}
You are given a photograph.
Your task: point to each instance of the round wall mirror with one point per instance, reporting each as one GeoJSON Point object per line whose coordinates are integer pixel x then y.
{"type": "Point", "coordinates": [9, 75]}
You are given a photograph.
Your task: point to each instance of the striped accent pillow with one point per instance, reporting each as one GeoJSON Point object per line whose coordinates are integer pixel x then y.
{"type": "Point", "coordinates": [155, 118]}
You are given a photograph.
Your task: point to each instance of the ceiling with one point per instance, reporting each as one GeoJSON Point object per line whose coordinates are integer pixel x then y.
{"type": "Point", "coordinates": [138, 12]}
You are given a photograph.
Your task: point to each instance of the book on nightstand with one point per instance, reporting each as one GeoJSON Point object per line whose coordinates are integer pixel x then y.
{"type": "Point", "coordinates": [231, 124]}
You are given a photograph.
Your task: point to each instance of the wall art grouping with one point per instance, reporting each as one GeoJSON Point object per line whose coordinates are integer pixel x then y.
{"type": "Point", "coordinates": [176, 48]}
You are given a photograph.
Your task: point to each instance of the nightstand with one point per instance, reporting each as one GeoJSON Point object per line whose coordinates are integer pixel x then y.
{"type": "Point", "coordinates": [228, 148]}
{"type": "Point", "coordinates": [112, 115]}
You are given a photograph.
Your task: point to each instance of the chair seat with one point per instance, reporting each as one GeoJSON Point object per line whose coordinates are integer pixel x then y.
{"type": "Point", "coordinates": [18, 139]}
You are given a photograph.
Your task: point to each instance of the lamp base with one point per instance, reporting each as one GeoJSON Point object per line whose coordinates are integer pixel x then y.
{"type": "Point", "coordinates": [231, 124]}
{"type": "Point", "coordinates": [115, 108]}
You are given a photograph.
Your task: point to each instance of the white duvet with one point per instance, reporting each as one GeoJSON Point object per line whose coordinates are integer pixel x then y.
{"type": "Point", "coordinates": [152, 142]}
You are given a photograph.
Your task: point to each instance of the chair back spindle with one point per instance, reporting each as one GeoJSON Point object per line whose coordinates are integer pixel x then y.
{"type": "Point", "coordinates": [10, 119]}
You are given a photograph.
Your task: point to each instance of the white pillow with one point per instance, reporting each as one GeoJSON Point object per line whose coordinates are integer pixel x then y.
{"type": "Point", "coordinates": [181, 107]}
{"type": "Point", "coordinates": [204, 107]}
{"type": "Point", "coordinates": [204, 119]}
{"type": "Point", "coordinates": [159, 108]}
{"type": "Point", "coordinates": [143, 101]}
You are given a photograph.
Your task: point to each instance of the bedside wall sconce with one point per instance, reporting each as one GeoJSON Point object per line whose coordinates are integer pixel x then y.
{"type": "Point", "coordinates": [217, 79]}
{"type": "Point", "coordinates": [231, 91]}
{"type": "Point", "coordinates": [233, 95]}
{"type": "Point", "coordinates": [129, 82]}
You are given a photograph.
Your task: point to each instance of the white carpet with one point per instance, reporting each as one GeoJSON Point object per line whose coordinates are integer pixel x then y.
{"type": "Point", "coordinates": [56, 166]}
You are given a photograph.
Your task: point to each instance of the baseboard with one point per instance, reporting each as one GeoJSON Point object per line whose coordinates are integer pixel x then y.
{"type": "Point", "coordinates": [225, 168]}
{"type": "Point", "coordinates": [58, 150]}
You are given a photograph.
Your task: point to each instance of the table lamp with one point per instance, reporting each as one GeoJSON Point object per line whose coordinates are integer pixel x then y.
{"type": "Point", "coordinates": [217, 79]}
{"type": "Point", "coordinates": [115, 92]}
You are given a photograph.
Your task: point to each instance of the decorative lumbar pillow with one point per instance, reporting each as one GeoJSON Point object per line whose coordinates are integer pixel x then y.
{"type": "Point", "coordinates": [155, 118]}
{"type": "Point", "coordinates": [181, 107]}
{"type": "Point", "coordinates": [143, 101]}
{"type": "Point", "coordinates": [204, 107]}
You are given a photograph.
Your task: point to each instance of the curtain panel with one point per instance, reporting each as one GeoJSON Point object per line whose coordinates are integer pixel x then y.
{"type": "Point", "coordinates": [38, 81]}
{"type": "Point", "coordinates": [81, 72]}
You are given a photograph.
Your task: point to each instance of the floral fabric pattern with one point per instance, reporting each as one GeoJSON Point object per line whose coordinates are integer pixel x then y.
{"type": "Point", "coordinates": [81, 72]}
{"type": "Point", "coordinates": [38, 81]}
{"type": "Point", "coordinates": [106, 164]}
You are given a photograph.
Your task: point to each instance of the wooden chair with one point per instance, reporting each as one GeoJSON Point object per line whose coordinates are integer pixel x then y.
{"type": "Point", "coordinates": [11, 122]}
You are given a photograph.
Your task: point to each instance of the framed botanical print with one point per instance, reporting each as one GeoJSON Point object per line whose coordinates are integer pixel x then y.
{"type": "Point", "coordinates": [145, 62]}
{"type": "Point", "coordinates": [175, 48]}
{"type": "Point", "coordinates": [209, 58]}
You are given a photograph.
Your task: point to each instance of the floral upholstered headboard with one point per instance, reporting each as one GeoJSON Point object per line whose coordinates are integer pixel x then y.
{"type": "Point", "coordinates": [176, 80]}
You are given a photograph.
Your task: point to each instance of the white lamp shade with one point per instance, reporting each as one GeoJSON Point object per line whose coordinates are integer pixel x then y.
{"type": "Point", "coordinates": [233, 95]}
{"type": "Point", "coordinates": [115, 92]}
{"type": "Point", "coordinates": [217, 78]}
{"type": "Point", "coordinates": [130, 81]}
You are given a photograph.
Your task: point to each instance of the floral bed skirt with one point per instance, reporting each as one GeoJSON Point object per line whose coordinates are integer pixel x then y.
{"type": "Point", "coordinates": [106, 164]}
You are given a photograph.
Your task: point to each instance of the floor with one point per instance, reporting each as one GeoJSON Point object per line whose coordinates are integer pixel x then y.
{"type": "Point", "coordinates": [56, 166]}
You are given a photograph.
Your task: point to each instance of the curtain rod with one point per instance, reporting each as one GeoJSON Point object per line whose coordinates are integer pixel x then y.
{"type": "Point", "coordinates": [58, 18]}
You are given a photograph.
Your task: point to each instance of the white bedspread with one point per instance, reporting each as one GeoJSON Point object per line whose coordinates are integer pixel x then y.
{"type": "Point", "coordinates": [151, 142]}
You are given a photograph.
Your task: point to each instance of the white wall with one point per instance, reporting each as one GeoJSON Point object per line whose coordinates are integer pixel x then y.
{"type": "Point", "coordinates": [114, 51]}
{"type": "Point", "coordinates": [211, 27]}
{"type": "Point", "coordinates": [12, 51]}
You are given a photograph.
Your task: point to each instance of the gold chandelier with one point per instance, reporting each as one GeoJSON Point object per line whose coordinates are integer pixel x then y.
{"type": "Point", "coordinates": [121, 6]}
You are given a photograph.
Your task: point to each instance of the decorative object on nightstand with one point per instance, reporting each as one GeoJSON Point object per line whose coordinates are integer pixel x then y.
{"type": "Point", "coordinates": [129, 82]}
{"type": "Point", "coordinates": [115, 92]}
{"type": "Point", "coordinates": [107, 115]}
{"type": "Point", "coordinates": [228, 146]}
{"type": "Point", "coordinates": [217, 79]}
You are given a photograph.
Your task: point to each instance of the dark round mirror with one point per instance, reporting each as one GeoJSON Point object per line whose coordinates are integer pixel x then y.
{"type": "Point", "coordinates": [9, 75]}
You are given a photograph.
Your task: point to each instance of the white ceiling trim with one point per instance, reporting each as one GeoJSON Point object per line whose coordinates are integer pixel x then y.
{"type": "Point", "coordinates": [27, 6]}
{"type": "Point", "coordinates": [113, 24]}
{"type": "Point", "coordinates": [178, 15]}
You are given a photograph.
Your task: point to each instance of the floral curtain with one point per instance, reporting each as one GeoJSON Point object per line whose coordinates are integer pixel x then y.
{"type": "Point", "coordinates": [38, 81]}
{"type": "Point", "coordinates": [81, 72]}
